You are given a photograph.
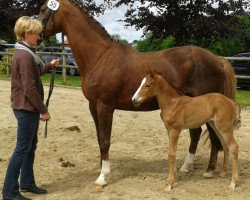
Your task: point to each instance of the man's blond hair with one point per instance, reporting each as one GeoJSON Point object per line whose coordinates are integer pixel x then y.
{"type": "Point", "coordinates": [27, 24]}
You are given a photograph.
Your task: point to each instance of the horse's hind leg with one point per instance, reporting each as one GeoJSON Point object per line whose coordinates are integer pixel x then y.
{"type": "Point", "coordinates": [233, 148]}
{"type": "Point", "coordinates": [225, 162]}
{"type": "Point", "coordinates": [195, 137]}
{"type": "Point", "coordinates": [215, 147]}
{"type": "Point", "coordinates": [103, 117]}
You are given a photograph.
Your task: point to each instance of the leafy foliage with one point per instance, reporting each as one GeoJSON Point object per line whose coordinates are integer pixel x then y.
{"type": "Point", "coordinates": [5, 61]}
{"type": "Point", "coordinates": [52, 41]}
{"type": "Point", "coordinates": [11, 10]}
{"type": "Point", "coordinates": [185, 19]}
{"type": "Point", "coordinates": [117, 37]}
{"type": "Point", "coordinates": [152, 44]}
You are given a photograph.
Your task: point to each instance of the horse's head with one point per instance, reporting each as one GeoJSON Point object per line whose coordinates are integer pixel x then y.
{"type": "Point", "coordinates": [50, 16]}
{"type": "Point", "coordinates": [146, 89]}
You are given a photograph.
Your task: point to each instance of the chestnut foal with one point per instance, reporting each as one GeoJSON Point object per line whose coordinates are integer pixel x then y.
{"type": "Point", "coordinates": [183, 112]}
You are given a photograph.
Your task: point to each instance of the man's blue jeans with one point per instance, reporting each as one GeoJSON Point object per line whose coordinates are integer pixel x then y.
{"type": "Point", "coordinates": [22, 159]}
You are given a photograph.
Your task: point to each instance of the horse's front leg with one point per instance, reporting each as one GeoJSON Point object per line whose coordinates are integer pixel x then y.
{"type": "Point", "coordinates": [173, 140]}
{"type": "Point", "coordinates": [103, 121]}
{"type": "Point", "coordinates": [93, 111]}
{"type": "Point", "coordinates": [195, 137]}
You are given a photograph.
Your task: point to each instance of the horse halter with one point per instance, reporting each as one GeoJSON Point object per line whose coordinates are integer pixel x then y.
{"type": "Point", "coordinates": [45, 20]}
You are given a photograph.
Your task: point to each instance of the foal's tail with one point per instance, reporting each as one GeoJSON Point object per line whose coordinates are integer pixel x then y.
{"type": "Point", "coordinates": [230, 82]}
{"type": "Point", "coordinates": [237, 119]}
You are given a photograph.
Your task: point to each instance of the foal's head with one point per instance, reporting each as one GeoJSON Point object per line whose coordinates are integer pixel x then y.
{"type": "Point", "coordinates": [146, 89]}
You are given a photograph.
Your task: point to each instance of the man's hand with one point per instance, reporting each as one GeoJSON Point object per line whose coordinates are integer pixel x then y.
{"type": "Point", "coordinates": [45, 117]}
{"type": "Point", "coordinates": [54, 63]}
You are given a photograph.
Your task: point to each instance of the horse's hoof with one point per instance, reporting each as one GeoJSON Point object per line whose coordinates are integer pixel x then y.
{"type": "Point", "coordinates": [232, 185]}
{"type": "Point", "coordinates": [168, 188]}
{"type": "Point", "coordinates": [99, 187]}
{"type": "Point", "coordinates": [100, 184]}
{"type": "Point", "coordinates": [184, 169]}
{"type": "Point", "coordinates": [223, 174]}
{"type": "Point", "coordinates": [207, 175]}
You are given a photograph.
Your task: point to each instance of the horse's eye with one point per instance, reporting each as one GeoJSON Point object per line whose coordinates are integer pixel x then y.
{"type": "Point", "coordinates": [147, 85]}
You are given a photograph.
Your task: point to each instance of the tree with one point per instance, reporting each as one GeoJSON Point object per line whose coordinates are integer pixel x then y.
{"type": "Point", "coordinates": [152, 44]}
{"type": "Point", "coordinates": [52, 41]}
{"type": "Point", "coordinates": [185, 19]}
{"type": "Point", "coordinates": [117, 37]}
{"type": "Point", "coordinates": [11, 10]}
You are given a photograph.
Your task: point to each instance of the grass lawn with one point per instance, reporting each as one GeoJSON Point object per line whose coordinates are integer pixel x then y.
{"type": "Point", "coordinates": [70, 80]}
{"type": "Point", "coordinates": [243, 96]}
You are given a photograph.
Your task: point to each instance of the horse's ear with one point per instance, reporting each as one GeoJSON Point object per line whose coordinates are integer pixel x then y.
{"type": "Point", "coordinates": [151, 72]}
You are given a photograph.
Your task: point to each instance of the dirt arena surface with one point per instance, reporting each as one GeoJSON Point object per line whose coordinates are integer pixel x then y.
{"type": "Point", "coordinates": [67, 161]}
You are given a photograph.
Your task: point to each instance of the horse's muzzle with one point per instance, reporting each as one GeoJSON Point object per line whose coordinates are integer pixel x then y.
{"type": "Point", "coordinates": [136, 102]}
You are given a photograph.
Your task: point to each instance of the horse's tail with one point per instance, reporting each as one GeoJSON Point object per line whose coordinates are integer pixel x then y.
{"type": "Point", "coordinates": [237, 119]}
{"type": "Point", "coordinates": [230, 82]}
{"type": "Point", "coordinates": [229, 90]}
{"type": "Point", "coordinates": [230, 86]}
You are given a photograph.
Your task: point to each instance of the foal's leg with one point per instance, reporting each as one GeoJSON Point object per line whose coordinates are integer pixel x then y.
{"type": "Point", "coordinates": [103, 123]}
{"type": "Point", "coordinates": [215, 147]}
{"type": "Point", "coordinates": [195, 137]}
{"type": "Point", "coordinates": [233, 148]}
{"type": "Point", "coordinates": [225, 162]}
{"type": "Point", "coordinates": [173, 140]}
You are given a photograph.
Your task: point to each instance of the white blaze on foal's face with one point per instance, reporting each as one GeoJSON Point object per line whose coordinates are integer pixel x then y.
{"type": "Point", "coordinates": [136, 97]}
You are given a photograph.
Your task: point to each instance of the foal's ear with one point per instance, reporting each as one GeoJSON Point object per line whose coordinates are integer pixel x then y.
{"type": "Point", "coordinates": [151, 72]}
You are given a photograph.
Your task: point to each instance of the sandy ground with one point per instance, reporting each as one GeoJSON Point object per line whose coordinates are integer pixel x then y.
{"type": "Point", "coordinates": [138, 155]}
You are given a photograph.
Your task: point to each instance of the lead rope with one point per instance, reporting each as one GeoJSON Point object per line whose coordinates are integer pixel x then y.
{"type": "Point", "coordinates": [51, 87]}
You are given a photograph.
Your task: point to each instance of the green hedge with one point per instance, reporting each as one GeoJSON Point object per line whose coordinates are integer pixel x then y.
{"type": "Point", "coordinates": [4, 62]}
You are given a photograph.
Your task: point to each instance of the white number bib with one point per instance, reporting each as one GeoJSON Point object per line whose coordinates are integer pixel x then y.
{"type": "Point", "coordinates": [53, 4]}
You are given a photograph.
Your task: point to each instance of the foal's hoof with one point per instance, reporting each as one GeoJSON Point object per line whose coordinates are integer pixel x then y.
{"type": "Point", "coordinates": [223, 174]}
{"type": "Point", "coordinates": [208, 174]}
{"type": "Point", "coordinates": [232, 185]}
{"type": "Point", "coordinates": [168, 188]}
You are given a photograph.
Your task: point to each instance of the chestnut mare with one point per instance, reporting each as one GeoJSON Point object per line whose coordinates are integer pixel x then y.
{"type": "Point", "coordinates": [183, 112]}
{"type": "Point", "coordinates": [112, 72]}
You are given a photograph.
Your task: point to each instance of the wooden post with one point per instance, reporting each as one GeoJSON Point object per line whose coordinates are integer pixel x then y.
{"type": "Point", "coordinates": [7, 63]}
{"type": "Point", "coordinates": [64, 72]}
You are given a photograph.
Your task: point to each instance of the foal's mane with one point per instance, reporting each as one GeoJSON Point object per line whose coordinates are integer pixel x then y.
{"type": "Point", "coordinates": [95, 25]}
{"type": "Point", "coordinates": [169, 82]}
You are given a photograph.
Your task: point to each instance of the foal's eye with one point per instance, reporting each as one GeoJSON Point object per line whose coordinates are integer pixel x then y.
{"type": "Point", "coordinates": [147, 85]}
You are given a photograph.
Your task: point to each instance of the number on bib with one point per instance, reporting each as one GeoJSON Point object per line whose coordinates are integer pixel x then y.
{"type": "Point", "coordinates": [53, 4]}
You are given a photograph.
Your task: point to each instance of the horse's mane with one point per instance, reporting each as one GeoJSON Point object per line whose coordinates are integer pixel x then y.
{"type": "Point", "coordinates": [96, 25]}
